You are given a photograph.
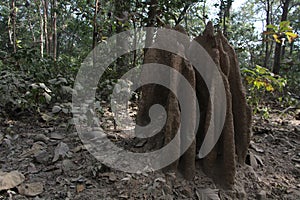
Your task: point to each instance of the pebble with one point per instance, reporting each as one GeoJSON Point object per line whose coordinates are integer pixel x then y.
{"type": "Point", "coordinates": [262, 195]}
{"type": "Point", "coordinates": [57, 136]}
{"type": "Point", "coordinates": [41, 138]}
{"type": "Point", "coordinates": [68, 166]}
{"type": "Point", "coordinates": [270, 138]}
{"type": "Point", "coordinates": [56, 109]}
{"type": "Point", "coordinates": [42, 157]}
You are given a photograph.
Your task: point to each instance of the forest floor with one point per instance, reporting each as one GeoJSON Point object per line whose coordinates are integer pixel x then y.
{"type": "Point", "coordinates": [48, 161]}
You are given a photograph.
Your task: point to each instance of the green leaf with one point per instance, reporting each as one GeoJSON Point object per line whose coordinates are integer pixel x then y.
{"type": "Point", "coordinates": [258, 84]}
{"type": "Point", "coordinates": [285, 26]}
{"type": "Point", "coordinates": [271, 26]}
{"type": "Point", "coordinates": [261, 70]}
{"type": "Point", "coordinates": [249, 79]}
{"type": "Point", "coordinates": [249, 71]}
{"type": "Point", "coordinates": [284, 23]}
{"type": "Point", "coordinates": [269, 88]}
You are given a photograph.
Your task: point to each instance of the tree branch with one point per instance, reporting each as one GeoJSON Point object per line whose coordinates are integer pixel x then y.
{"type": "Point", "coordinates": [183, 12]}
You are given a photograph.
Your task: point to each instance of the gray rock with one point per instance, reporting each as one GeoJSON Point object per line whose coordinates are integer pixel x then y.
{"type": "Point", "coordinates": [41, 138]}
{"type": "Point", "coordinates": [57, 136]}
{"type": "Point", "coordinates": [42, 157]}
{"type": "Point", "coordinates": [68, 166]}
{"type": "Point", "coordinates": [270, 138]}
{"type": "Point", "coordinates": [262, 195]}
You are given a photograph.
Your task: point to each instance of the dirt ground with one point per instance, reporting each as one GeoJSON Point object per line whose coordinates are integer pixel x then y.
{"type": "Point", "coordinates": [55, 165]}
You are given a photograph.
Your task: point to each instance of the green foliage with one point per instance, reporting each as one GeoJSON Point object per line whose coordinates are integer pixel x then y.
{"type": "Point", "coordinates": [262, 78]}
{"type": "Point", "coordinates": [20, 93]}
{"type": "Point", "coordinates": [260, 82]}
{"type": "Point", "coordinates": [281, 31]}
{"type": "Point", "coordinates": [30, 83]}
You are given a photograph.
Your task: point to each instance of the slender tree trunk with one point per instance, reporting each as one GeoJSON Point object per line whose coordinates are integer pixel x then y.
{"type": "Point", "coordinates": [122, 9]}
{"type": "Point", "coordinates": [41, 30]}
{"type": "Point", "coordinates": [151, 22]}
{"type": "Point", "coordinates": [95, 30]}
{"type": "Point", "coordinates": [186, 19]}
{"type": "Point", "coordinates": [95, 26]}
{"type": "Point", "coordinates": [55, 30]}
{"type": "Point", "coordinates": [32, 32]}
{"type": "Point", "coordinates": [15, 26]}
{"type": "Point", "coordinates": [283, 51]}
{"type": "Point", "coordinates": [291, 48]}
{"type": "Point", "coordinates": [221, 16]}
{"type": "Point", "coordinates": [224, 25]}
{"type": "Point", "coordinates": [134, 63]}
{"type": "Point", "coordinates": [45, 12]}
{"type": "Point", "coordinates": [267, 53]}
{"type": "Point", "coordinates": [12, 31]}
{"type": "Point", "coordinates": [204, 11]}
{"type": "Point", "coordinates": [277, 59]}
{"type": "Point", "coordinates": [278, 48]}
{"type": "Point", "coordinates": [225, 14]}
{"type": "Point", "coordinates": [50, 32]}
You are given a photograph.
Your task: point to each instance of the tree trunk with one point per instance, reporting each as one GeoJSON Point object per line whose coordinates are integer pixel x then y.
{"type": "Point", "coordinates": [225, 7]}
{"type": "Point", "coordinates": [292, 48]}
{"type": "Point", "coordinates": [268, 7]}
{"type": "Point", "coordinates": [45, 28]}
{"type": "Point", "coordinates": [32, 31]}
{"type": "Point", "coordinates": [151, 22]}
{"type": "Point", "coordinates": [51, 28]}
{"type": "Point", "coordinates": [278, 48]}
{"type": "Point", "coordinates": [95, 30]}
{"type": "Point", "coordinates": [220, 163]}
{"type": "Point", "coordinates": [55, 29]}
{"type": "Point", "coordinates": [12, 30]}
{"type": "Point", "coordinates": [41, 30]}
{"type": "Point", "coordinates": [122, 10]}
{"type": "Point", "coordinates": [95, 25]}
{"type": "Point", "coordinates": [204, 12]}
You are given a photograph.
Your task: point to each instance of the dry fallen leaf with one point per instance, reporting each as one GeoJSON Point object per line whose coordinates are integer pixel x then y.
{"type": "Point", "coordinates": [31, 189]}
{"type": "Point", "coordinates": [10, 180]}
{"type": "Point", "coordinates": [80, 188]}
